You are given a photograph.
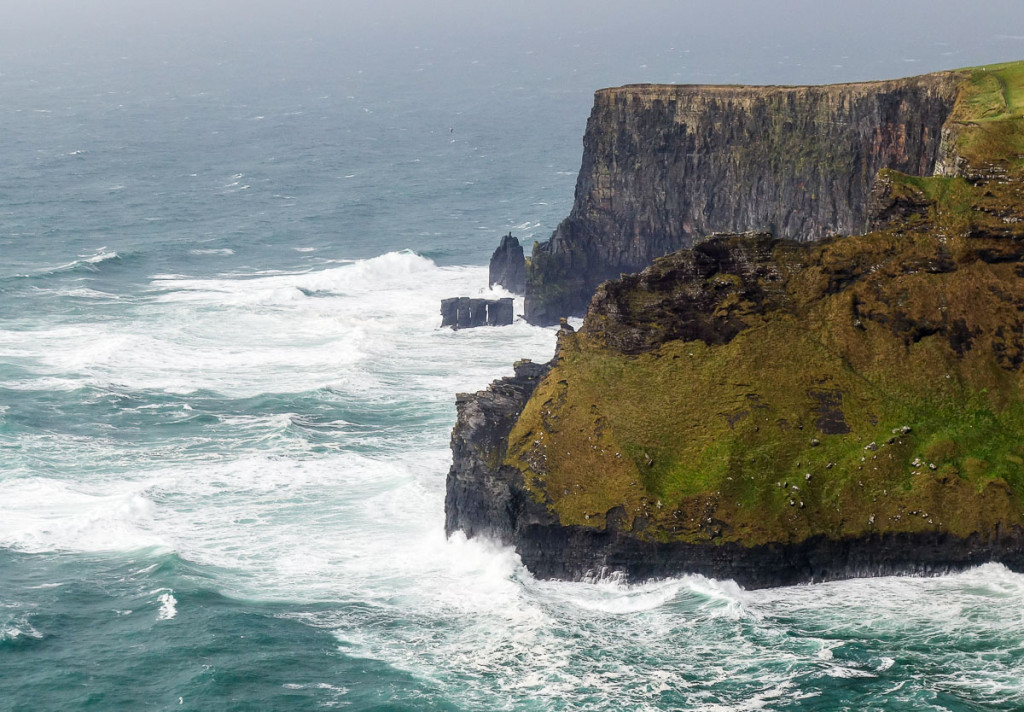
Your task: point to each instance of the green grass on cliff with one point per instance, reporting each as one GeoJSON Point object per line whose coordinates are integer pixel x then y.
{"type": "Point", "coordinates": [955, 195]}
{"type": "Point", "coordinates": [881, 390]}
{"type": "Point", "coordinates": [692, 434]}
{"type": "Point", "coordinates": [952, 205]}
{"type": "Point", "coordinates": [990, 112]}
{"type": "Point", "coordinates": [996, 91]}
{"type": "Point", "coordinates": [716, 443]}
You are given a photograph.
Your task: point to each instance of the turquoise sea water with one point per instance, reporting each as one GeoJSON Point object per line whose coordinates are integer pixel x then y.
{"type": "Point", "coordinates": [225, 405]}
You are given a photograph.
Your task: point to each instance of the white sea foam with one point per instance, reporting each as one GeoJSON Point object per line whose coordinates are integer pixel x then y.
{"type": "Point", "coordinates": [89, 261]}
{"type": "Point", "coordinates": [611, 596]}
{"type": "Point", "coordinates": [290, 332]}
{"type": "Point", "coordinates": [168, 606]}
{"type": "Point", "coordinates": [843, 672]}
{"type": "Point", "coordinates": [212, 251]}
{"type": "Point", "coordinates": [19, 628]}
{"type": "Point", "coordinates": [528, 226]}
{"type": "Point", "coordinates": [40, 514]}
{"type": "Point", "coordinates": [86, 293]}
{"type": "Point", "coordinates": [102, 255]}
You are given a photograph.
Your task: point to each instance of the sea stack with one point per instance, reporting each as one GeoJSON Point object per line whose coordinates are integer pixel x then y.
{"type": "Point", "coordinates": [508, 266]}
{"type": "Point", "coordinates": [465, 312]}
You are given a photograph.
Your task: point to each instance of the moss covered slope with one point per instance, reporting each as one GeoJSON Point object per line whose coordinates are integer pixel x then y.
{"type": "Point", "coordinates": [876, 388]}
{"type": "Point", "coordinates": [760, 391]}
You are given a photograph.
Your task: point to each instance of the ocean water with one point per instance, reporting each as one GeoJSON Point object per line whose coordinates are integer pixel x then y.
{"type": "Point", "coordinates": [225, 403]}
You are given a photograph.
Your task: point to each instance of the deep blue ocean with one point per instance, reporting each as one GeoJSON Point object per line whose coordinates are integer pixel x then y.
{"type": "Point", "coordinates": [226, 402]}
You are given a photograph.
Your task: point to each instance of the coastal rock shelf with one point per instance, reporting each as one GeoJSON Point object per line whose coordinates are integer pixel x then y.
{"type": "Point", "coordinates": [777, 410]}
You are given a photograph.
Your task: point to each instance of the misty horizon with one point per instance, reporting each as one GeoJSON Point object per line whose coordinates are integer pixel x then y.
{"type": "Point", "coordinates": [796, 42]}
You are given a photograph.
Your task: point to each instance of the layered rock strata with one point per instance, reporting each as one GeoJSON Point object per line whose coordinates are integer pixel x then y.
{"type": "Point", "coordinates": [665, 165]}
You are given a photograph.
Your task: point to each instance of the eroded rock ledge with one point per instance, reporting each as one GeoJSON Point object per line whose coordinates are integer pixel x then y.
{"type": "Point", "coordinates": [484, 497]}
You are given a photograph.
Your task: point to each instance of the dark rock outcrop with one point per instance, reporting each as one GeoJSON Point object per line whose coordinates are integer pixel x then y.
{"type": "Point", "coordinates": [574, 553]}
{"type": "Point", "coordinates": [466, 312]}
{"type": "Point", "coordinates": [508, 266]}
{"type": "Point", "coordinates": [665, 165]}
{"type": "Point", "coordinates": [892, 203]}
{"type": "Point", "coordinates": [636, 313]}
{"type": "Point", "coordinates": [483, 497]}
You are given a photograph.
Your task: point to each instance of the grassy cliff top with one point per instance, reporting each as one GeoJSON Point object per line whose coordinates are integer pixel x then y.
{"type": "Point", "coordinates": [1007, 74]}
{"type": "Point", "coordinates": [671, 91]}
{"type": "Point", "coordinates": [647, 94]}
{"type": "Point", "coordinates": [987, 117]}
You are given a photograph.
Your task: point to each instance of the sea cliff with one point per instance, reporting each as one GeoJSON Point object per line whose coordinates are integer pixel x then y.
{"type": "Point", "coordinates": [772, 409]}
{"type": "Point", "coordinates": [666, 165]}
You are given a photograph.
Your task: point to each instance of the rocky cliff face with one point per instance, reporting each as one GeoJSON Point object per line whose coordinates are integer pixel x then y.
{"type": "Point", "coordinates": [665, 165]}
{"type": "Point", "coordinates": [485, 498]}
{"type": "Point", "coordinates": [774, 411]}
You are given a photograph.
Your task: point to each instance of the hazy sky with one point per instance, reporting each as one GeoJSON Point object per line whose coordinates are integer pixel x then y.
{"type": "Point", "coordinates": [654, 40]}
